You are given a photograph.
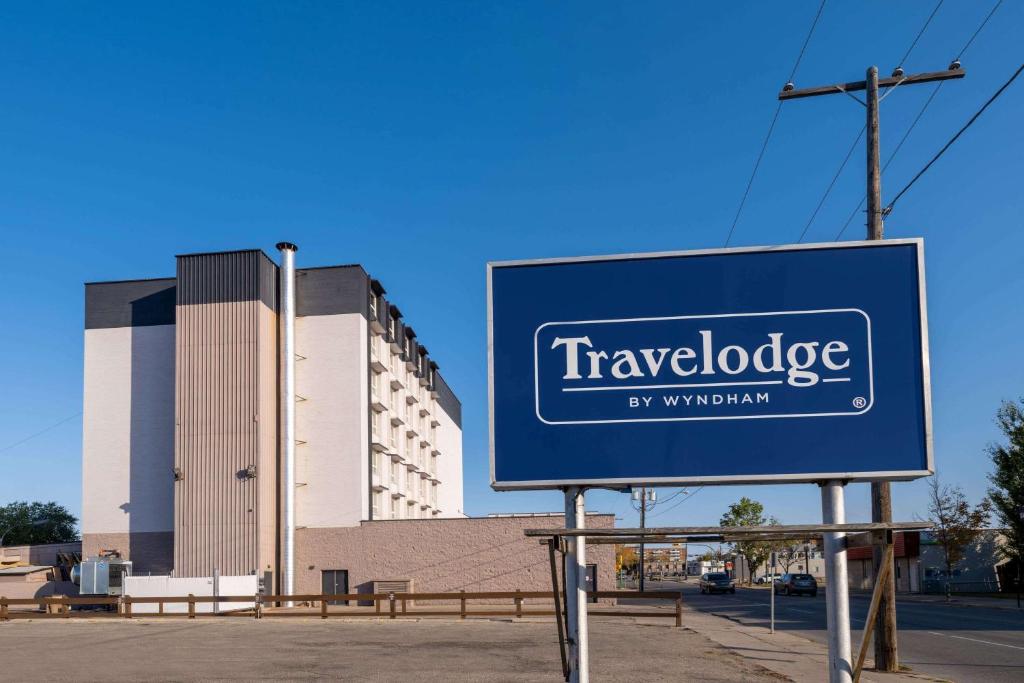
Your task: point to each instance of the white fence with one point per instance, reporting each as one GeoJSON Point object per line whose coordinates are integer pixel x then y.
{"type": "Point", "coordinates": [156, 586]}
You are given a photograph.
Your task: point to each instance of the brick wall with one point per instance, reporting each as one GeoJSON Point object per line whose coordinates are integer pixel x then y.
{"type": "Point", "coordinates": [442, 555]}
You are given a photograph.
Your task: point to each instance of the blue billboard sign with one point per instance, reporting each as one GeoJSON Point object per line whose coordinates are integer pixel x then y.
{"type": "Point", "coordinates": [799, 363]}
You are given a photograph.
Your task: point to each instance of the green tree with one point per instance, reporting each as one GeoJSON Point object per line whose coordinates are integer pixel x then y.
{"type": "Point", "coordinates": [749, 512]}
{"type": "Point", "coordinates": [23, 523]}
{"type": "Point", "coordinates": [1007, 478]}
{"type": "Point", "coordinates": [955, 523]}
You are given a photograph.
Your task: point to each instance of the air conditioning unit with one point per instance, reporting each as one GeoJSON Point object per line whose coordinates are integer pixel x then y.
{"type": "Point", "coordinates": [101, 575]}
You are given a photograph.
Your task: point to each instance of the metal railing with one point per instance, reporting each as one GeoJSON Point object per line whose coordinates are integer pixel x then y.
{"type": "Point", "coordinates": [383, 605]}
{"type": "Point", "coordinates": [945, 587]}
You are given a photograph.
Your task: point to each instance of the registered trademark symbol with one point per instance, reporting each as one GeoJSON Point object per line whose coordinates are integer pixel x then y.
{"type": "Point", "coordinates": [859, 402]}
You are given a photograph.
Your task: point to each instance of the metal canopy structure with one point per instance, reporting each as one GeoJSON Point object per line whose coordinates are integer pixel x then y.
{"type": "Point", "coordinates": [727, 534]}
{"type": "Point", "coordinates": [568, 541]}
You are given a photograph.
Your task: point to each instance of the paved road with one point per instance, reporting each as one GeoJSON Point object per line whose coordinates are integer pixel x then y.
{"type": "Point", "coordinates": [954, 642]}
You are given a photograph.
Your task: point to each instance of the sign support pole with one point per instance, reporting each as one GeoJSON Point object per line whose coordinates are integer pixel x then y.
{"type": "Point", "coordinates": [576, 588]}
{"type": "Point", "coordinates": [837, 595]}
{"type": "Point", "coordinates": [771, 583]}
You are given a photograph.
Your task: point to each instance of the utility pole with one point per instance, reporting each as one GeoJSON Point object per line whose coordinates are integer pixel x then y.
{"type": "Point", "coordinates": [643, 525]}
{"type": "Point", "coordinates": [886, 653]}
{"type": "Point", "coordinates": [644, 497]}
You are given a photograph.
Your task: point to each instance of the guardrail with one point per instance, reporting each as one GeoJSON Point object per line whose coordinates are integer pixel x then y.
{"type": "Point", "coordinates": [942, 586]}
{"type": "Point", "coordinates": [385, 605]}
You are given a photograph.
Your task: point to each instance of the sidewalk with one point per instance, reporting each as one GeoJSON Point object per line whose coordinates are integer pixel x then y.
{"type": "Point", "coordinates": [790, 656]}
{"type": "Point", "coordinates": [962, 600]}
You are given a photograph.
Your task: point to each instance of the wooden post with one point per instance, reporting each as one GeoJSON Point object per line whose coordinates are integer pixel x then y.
{"type": "Point", "coordinates": [519, 605]}
{"type": "Point", "coordinates": [403, 604]}
{"type": "Point", "coordinates": [558, 607]}
{"type": "Point", "coordinates": [191, 606]}
{"type": "Point", "coordinates": [874, 193]}
{"type": "Point", "coordinates": [886, 652]}
{"type": "Point", "coordinates": [679, 611]}
{"type": "Point", "coordinates": [4, 613]}
{"type": "Point", "coordinates": [391, 605]}
{"type": "Point", "coordinates": [462, 608]}
{"type": "Point", "coordinates": [869, 623]}
{"type": "Point", "coordinates": [257, 606]}
{"type": "Point", "coordinates": [127, 607]}
{"type": "Point", "coordinates": [323, 607]}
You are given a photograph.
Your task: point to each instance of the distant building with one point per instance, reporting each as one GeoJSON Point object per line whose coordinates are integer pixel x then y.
{"type": "Point", "coordinates": [982, 569]}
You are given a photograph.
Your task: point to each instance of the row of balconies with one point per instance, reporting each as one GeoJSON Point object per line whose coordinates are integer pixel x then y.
{"type": "Point", "coordinates": [406, 487]}
{"type": "Point", "coordinates": [394, 345]}
{"type": "Point", "coordinates": [391, 418]}
{"type": "Point", "coordinates": [392, 508]}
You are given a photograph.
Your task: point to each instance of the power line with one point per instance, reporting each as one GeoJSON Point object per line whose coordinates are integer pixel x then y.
{"type": "Point", "coordinates": [828, 190]}
{"type": "Point", "coordinates": [669, 509]}
{"type": "Point", "coordinates": [849, 154]}
{"type": "Point", "coordinates": [920, 33]}
{"type": "Point", "coordinates": [920, 113]}
{"type": "Point", "coordinates": [807, 40]}
{"type": "Point", "coordinates": [39, 433]}
{"type": "Point", "coordinates": [892, 156]}
{"type": "Point", "coordinates": [888, 209]}
{"type": "Point", "coordinates": [771, 127]}
{"type": "Point", "coordinates": [978, 30]}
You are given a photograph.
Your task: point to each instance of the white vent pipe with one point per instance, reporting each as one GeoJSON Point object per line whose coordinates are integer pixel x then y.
{"type": "Point", "coordinates": [287, 394]}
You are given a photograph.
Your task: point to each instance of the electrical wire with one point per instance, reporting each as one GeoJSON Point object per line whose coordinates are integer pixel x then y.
{"type": "Point", "coordinates": [978, 30]}
{"type": "Point", "coordinates": [39, 433]}
{"type": "Point", "coordinates": [669, 509]}
{"type": "Point", "coordinates": [888, 209]}
{"type": "Point", "coordinates": [938, 86]}
{"type": "Point", "coordinates": [849, 154]}
{"type": "Point", "coordinates": [920, 33]}
{"type": "Point", "coordinates": [892, 155]}
{"type": "Point", "coordinates": [771, 127]}
{"type": "Point", "coordinates": [828, 190]}
{"type": "Point", "coordinates": [917, 118]}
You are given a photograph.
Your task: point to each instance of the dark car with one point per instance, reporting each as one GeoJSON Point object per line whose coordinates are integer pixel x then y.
{"type": "Point", "coordinates": [717, 583]}
{"type": "Point", "coordinates": [796, 584]}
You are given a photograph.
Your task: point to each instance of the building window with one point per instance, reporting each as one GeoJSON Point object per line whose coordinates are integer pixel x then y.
{"type": "Point", "coordinates": [376, 511]}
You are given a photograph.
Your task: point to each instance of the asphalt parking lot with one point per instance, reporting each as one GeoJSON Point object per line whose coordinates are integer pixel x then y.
{"type": "Point", "coordinates": [304, 649]}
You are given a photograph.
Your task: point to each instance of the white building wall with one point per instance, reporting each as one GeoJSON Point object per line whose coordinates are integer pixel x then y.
{"type": "Point", "coordinates": [333, 463]}
{"type": "Point", "coordinates": [128, 430]}
{"type": "Point", "coordinates": [449, 466]}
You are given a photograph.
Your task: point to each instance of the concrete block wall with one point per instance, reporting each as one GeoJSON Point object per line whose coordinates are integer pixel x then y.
{"type": "Point", "coordinates": [442, 555]}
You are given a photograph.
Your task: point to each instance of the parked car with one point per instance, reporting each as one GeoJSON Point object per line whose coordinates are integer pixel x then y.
{"type": "Point", "coordinates": [717, 583]}
{"type": "Point", "coordinates": [767, 578]}
{"type": "Point", "coordinates": [796, 584]}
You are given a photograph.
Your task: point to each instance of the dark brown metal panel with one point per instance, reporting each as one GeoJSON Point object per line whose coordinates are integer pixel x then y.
{"type": "Point", "coordinates": [219, 451]}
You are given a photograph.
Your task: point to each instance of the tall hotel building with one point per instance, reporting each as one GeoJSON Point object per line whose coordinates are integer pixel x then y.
{"type": "Point", "coordinates": [237, 413]}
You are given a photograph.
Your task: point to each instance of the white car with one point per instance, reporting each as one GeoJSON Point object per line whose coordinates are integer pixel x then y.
{"type": "Point", "coordinates": [768, 578]}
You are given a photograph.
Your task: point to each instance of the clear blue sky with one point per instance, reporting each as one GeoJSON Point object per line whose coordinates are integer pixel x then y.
{"type": "Point", "coordinates": [424, 139]}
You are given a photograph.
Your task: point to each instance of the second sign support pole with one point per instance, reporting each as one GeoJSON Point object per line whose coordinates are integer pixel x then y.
{"type": "Point", "coordinates": [576, 587]}
{"type": "Point", "coordinates": [837, 595]}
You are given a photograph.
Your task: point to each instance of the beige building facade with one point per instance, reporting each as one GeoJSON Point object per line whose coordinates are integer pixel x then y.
{"type": "Point", "coordinates": [182, 456]}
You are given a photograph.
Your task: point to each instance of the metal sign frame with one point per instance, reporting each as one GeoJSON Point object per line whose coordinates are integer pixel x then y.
{"type": "Point", "coordinates": [619, 483]}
